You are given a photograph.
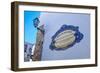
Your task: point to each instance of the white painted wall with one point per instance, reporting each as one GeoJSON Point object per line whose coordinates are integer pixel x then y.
{"type": "Point", "coordinates": [5, 40]}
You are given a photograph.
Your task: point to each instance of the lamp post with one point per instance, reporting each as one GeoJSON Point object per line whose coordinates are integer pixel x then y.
{"type": "Point", "coordinates": [39, 40]}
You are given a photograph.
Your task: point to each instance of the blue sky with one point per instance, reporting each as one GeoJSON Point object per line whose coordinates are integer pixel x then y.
{"type": "Point", "coordinates": [29, 30]}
